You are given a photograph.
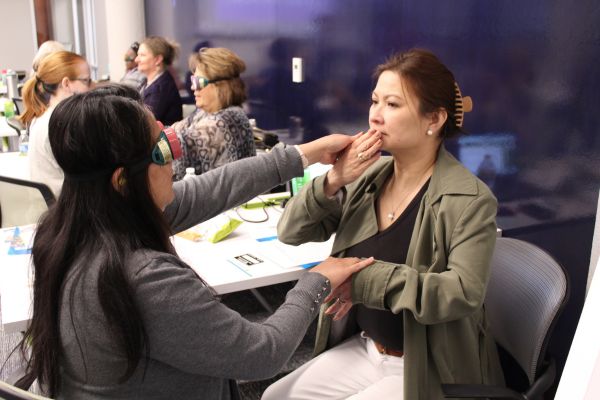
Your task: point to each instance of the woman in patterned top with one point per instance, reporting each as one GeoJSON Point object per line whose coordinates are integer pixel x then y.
{"type": "Point", "coordinates": [218, 132]}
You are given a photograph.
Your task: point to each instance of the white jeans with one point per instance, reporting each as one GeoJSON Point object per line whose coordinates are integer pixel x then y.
{"type": "Point", "coordinates": [352, 370]}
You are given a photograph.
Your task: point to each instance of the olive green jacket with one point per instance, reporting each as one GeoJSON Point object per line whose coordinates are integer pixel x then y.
{"type": "Point", "coordinates": [440, 290]}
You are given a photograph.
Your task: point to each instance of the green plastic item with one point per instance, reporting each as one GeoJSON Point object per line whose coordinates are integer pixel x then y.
{"type": "Point", "coordinates": [224, 230]}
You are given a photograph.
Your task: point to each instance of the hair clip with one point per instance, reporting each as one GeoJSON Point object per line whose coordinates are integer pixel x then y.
{"type": "Point", "coordinates": [462, 105]}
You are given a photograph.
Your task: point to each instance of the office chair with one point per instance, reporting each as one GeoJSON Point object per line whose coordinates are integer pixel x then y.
{"type": "Point", "coordinates": [10, 392]}
{"type": "Point", "coordinates": [15, 124]}
{"type": "Point", "coordinates": [22, 202]}
{"type": "Point", "coordinates": [19, 105]}
{"type": "Point", "coordinates": [526, 293]}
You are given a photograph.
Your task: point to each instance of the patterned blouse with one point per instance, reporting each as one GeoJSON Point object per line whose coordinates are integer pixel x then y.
{"type": "Point", "coordinates": [211, 140]}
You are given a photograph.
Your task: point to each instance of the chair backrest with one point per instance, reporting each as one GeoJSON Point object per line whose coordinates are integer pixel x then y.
{"type": "Point", "coordinates": [10, 392]}
{"type": "Point", "coordinates": [22, 202]}
{"type": "Point", "coordinates": [19, 105]}
{"type": "Point", "coordinates": [526, 292]}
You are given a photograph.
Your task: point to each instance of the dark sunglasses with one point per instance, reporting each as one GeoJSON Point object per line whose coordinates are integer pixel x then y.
{"type": "Point", "coordinates": [135, 46]}
{"type": "Point", "coordinates": [199, 82]}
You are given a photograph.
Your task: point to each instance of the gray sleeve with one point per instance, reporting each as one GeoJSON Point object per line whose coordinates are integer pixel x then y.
{"type": "Point", "coordinates": [215, 191]}
{"type": "Point", "coordinates": [311, 216]}
{"type": "Point", "coordinates": [190, 330]}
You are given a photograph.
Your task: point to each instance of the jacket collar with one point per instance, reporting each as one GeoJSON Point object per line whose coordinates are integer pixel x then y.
{"type": "Point", "coordinates": [449, 177]}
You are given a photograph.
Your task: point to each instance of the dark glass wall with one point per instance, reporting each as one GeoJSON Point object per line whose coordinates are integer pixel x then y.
{"type": "Point", "coordinates": [531, 68]}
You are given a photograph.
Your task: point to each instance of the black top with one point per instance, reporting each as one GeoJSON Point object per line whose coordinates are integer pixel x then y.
{"type": "Point", "coordinates": [163, 99]}
{"type": "Point", "coordinates": [390, 245]}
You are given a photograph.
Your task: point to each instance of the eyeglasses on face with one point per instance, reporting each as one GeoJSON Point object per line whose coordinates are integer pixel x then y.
{"type": "Point", "coordinates": [86, 81]}
{"type": "Point", "coordinates": [200, 82]}
{"type": "Point", "coordinates": [129, 59]}
{"type": "Point", "coordinates": [135, 47]}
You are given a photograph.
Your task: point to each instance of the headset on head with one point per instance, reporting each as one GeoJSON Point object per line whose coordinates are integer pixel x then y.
{"type": "Point", "coordinates": [168, 147]}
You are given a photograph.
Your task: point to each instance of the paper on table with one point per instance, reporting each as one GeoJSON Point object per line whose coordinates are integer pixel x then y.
{"type": "Point", "coordinates": [16, 271]}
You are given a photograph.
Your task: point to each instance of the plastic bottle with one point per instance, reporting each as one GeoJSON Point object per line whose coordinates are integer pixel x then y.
{"type": "Point", "coordinates": [12, 84]}
{"type": "Point", "coordinates": [190, 172]}
{"type": "Point", "coordinates": [9, 109]}
{"type": "Point", "coordinates": [24, 143]}
{"type": "Point", "coordinates": [3, 89]}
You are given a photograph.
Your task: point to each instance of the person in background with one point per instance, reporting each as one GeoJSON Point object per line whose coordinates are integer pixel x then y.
{"type": "Point", "coordinates": [116, 313]}
{"type": "Point", "coordinates": [218, 131]}
{"type": "Point", "coordinates": [133, 77]}
{"type": "Point", "coordinates": [187, 82]}
{"type": "Point", "coordinates": [415, 319]}
{"type": "Point", "coordinates": [49, 46]}
{"type": "Point", "coordinates": [160, 92]}
{"type": "Point", "coordinates": [60, 75]}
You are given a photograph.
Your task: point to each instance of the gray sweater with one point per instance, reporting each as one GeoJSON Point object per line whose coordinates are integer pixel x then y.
{"type": "Point", "coordinates": [195, 342]}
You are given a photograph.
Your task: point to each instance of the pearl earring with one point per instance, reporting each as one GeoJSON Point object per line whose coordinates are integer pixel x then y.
{"type": "Point", "coordinates": [429, 132]}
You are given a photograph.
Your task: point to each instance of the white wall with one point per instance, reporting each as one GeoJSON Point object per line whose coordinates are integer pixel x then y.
{"type": "Point", "coordinates": [124, 23]}
{"type": "Point", "coordinates": [18, 44]}
{"type": "Point", "coordinates": [581, 376]}
{"type": "Point", "coordinates": [595, 248]}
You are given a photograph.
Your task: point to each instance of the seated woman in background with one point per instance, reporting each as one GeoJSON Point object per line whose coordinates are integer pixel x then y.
{"type": "Point", "coordinates": [59, 75]}
{"type": "Point", "coordinates": [160, 92]}
{"type": "Point", "coordinates": [218, 132]}
{"type": "Point", "coordinates": [116, 313]}
{"type": "Point", "coordinates": [133, 77]}
{"type": "Point", "coordinates": [418, 319]}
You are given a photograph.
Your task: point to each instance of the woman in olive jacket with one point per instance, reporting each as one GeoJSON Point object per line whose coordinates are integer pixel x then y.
{"type": "Point", "coordinates": [415, 319]}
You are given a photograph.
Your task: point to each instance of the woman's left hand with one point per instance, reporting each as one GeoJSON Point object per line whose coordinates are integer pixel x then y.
{"type": "Point", "coordinates": [343, 300]}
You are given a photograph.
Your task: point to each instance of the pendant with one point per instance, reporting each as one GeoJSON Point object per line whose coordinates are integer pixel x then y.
{"type": "Point", "coordinates": [391, 216]}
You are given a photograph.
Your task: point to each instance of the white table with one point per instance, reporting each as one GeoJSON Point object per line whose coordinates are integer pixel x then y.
{"type": "Point", "coordinates": [14, 165]}
{"type": "Point", "coordinates": [215, 263]}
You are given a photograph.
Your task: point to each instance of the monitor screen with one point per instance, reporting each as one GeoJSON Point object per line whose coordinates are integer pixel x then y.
{"type": "Point", "coordinates": [488, 153]}
{"type": "Point", "coordinates": [310, 173]}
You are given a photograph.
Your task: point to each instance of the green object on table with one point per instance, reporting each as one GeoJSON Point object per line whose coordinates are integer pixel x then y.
{"type": "Point", "coordinates": [224, 230]}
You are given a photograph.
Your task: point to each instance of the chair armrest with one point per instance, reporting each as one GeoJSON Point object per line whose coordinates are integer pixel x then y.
{"type": "Point", "coordinates": [452, 391]}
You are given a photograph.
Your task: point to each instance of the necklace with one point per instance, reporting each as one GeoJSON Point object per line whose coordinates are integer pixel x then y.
{"type": "Point", "coordinates": [392, 214]}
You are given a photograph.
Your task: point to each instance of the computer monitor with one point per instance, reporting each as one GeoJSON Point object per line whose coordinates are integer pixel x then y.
{"type": "Point", "coordinates": [488, 152]}
{"type": "Point", "coordinates": [310, 173]}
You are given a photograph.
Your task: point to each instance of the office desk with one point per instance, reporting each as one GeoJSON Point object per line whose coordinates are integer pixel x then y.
{"type": "Point", "coordinates": [249, 258]}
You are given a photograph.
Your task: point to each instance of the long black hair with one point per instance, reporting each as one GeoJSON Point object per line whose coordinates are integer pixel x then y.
{"type": "Point", "coordinates": [91, 135]}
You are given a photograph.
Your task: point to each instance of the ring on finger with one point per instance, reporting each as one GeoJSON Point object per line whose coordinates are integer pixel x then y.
{"type": "Point", "coordinates": [360, 156]}
{"type": "Point", "coordinates": [341, 301]}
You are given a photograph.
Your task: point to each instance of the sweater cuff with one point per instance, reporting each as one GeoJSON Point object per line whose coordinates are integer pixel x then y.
{"type": "Point", "coordinates": [313, 287]}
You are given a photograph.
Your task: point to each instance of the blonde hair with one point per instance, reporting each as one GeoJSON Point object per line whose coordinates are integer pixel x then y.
{"type": "Point", "coordinates": [159, 46]}
{"type": "Point", "coordinates": [219, 62]}
{"type": "Point", "coordinates": [46, 81]}
{"type": "Point", "coordinates": [48, 47]}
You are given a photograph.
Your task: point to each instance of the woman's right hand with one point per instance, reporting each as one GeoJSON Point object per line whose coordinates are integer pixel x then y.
{"type": "Point", "coordinates": [355, 160]}
{"type": "Point", "coordinates": [338, 270]}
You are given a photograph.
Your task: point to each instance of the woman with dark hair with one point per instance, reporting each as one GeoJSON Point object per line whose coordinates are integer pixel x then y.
{"type": "Point", "coordinates": [415, 319]}
{"type": "Point", "coordinates": [154, 57]}
{"type": "Point", "coordinates": [116, 313]}
{"type": "Point", "coordinates": [218, 131]}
